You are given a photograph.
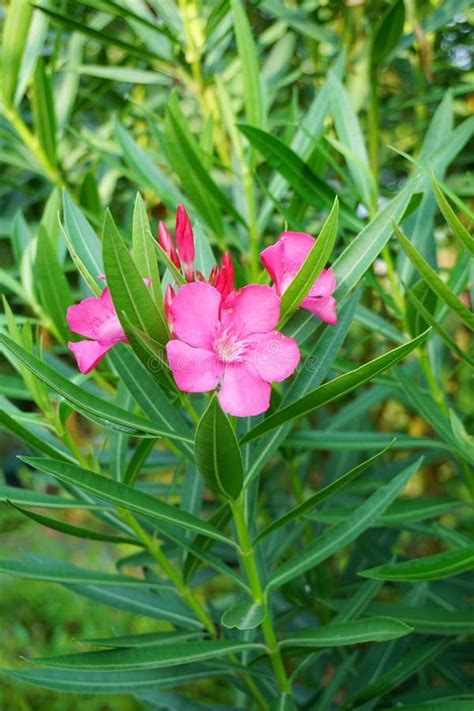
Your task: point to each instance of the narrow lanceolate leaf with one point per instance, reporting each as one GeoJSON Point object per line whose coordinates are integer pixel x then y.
{"type": "Point", "coordinates": [142, 640]}
{"type": "Point", "coordinates": [372, 629]}
{"type": "Point", "coordinates": [299, 175]}
{"type": "Point", "coordinates": [127, 288]}
{"type": "Point", "coordinates": [30, 438]}
{"type": "Point", "coordinates": [124, 496]}
{"type": "Point", "coordinates": [143, 252]}
{"type": "Point", "coordinates": [428, 620]}
{"type": "Point", "coordinates": [115, 682]}
{"type": "Point", "coordinates": [433, 567]}
{"type": "Point", "coordinates": [245, 616]}
{"type": "Point", "coordinates": [43, 111]}
{"type": "Point", "coordinates": [320, 496]}
{"type": "Point", "coordinates": [15, 32]}
{"type": "Point", "coordinates": [451, 217]}
{"type": "Point", "coordinates": [54, 301]}
{"type": "Point", "coordinates": [250, 70]}
{"type": "Point", "coordinates": [65, 573]}
{"type": "Point", "coordinates": [387, 33]}
{"type": "Point", "coordinates": [345, 532]}
{"type": "Point", "coordinates": [217, 452]}
{"type": "Point", "coordinates": [153, 657]}
{"type": "Point", "coordinates": [75, 531]}
{"type": "Point", "coordinates": [89, 404]}
{"type": "Point", "coordinates": [25, 497]}
{"type": "Point", "coordinates": [311, 267]}
{"type": "Point", "coordinates": [333, 389]}
{"type": "Point", "coordinates": [434, 281]}
{"type": "Point", "coordinates": [83, 244]}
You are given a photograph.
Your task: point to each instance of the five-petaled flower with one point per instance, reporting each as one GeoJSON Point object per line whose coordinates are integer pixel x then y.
{"type": "Point", "coordinates": [283, 260]}
{"type": "Point", "coordinates": [231, 343]}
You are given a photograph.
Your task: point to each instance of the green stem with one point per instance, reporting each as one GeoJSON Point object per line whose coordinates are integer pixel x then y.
{"type": "Point", "coordinates": [31, 142]}
{"type": "Point", "coordinates": [249, 564]}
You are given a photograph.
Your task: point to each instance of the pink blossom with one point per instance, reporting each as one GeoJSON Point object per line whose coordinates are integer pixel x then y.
{"type": "Point", "coordinates": [168, 302]}
{"type": "Point", "coordinates": [231, 343]}
{"type": "Point", "coordinates": [223, 278]}
{"type": "Point", "coordinates": [166, 243]}
{"type": "Point", "coordinates": [283, 260]}
{"type": "Point", "coordinates": [94, 318]}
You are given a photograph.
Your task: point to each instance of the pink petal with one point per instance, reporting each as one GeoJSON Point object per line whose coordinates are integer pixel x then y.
{"type": "Point", "coordinates": [195, 370]}
{"type": "Point", "coordinates": [253, 309]}
{"type": "Point", "coordinates": [272, 259]}
{"type": "Point", "coordinates": [185, 241]}
{"type": "Point", "coordinates": [324, 307]}
{"type": "Point", "coordinates": [274, 356]}
{"type": "Point", "coordinates": [325, 284]}
{"type": "Point", "coordinates": [243, 392]}
{"type": "Point", "coordinates": [86, 317]}
{"type": "Point", "coordinates": [195, 311]}
{"type": "Point", "coordinates": [87, 354]}
{"type": "Point", "coordinates": [283, 259]}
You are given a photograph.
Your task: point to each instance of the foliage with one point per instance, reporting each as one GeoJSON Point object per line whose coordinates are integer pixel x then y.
{"type": "Point", "coordinates": [319, 556]}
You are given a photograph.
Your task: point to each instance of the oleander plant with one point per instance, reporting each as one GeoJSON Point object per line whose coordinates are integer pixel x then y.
{"type": "Point", "coordinates": [236, 394]}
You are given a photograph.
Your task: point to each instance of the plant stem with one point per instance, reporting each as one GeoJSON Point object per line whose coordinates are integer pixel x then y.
{"type": "Point", "coordinates": [31, 142]}
{"type": "Point", "coordinates": [259, 596]}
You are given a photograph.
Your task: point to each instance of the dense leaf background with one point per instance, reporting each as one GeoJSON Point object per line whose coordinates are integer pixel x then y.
{"type": "Point", "coordinates": [350, 120]}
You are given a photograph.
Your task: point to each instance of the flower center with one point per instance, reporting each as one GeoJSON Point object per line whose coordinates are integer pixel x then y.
{"type": "Point", "coordinates": [228, 348]}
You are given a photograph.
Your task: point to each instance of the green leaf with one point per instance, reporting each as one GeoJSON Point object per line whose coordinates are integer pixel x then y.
{"type": "Point", "coordinates": [335, 486]}
{"type": "Point", "coordinates": [298, 173]}
{"type": "Point", "coordinates": [91, 405]}
{"type": "Point", "coordinates": [219, 519]}
{"type": "Point", "coordinates": [350, 134]}
{"type": "Point", "coordinates": [141, 640]}
{"type": "Point", "coordinates": [43, 111]}
{"type": "Point", "coordinates": [147, 172]}
{"type": "Point", "coordinates": [124, 496]}
{"type": "Point", "coordinates": [185, 157]}
{"type": "Point", "coordinates": [354, 440]}
{"type": "Point", "coordinates": [128, 290]}
{"type": "Point", "coordinates": [247, 52]}
{"type": "Point", "coordinates": [65, 573]}
{"type": "Point", "coordinates": [428, 620]}
{"type": "Point", "coordinates": [333, 389]}
{"type": "Point", "coordinates": [153, 657]}
{"type": "Point", "coordinates": [115, 682]}
{"type": "Point", "coordinates": [25, 497]}
{"type": "Point", "coordinates": [75, 531]}
{"type": "Point", "coordinates": [54, 301]}
{"type": "Point", "coordinates": [451, 218]}
{"type": "Point", "coordinates": [432, 567]}
{"type": "Point", "coordinates": [387, 33]}
{"type": "Point", "coordinates": [30, 438]}
{"type": "Point", "coordinates": [434, 281]}
{"type": "Point", "coordinates": [143, 252]}
{"type": "Point", "coordinates": [373, 629]}
{"type": "Point", "coordinates": [245, 616]}
{"type": "Point", "coordinates": [311, 267]}
{"type": "Point", "coordinates": [345, 532]}
{"type": "Point", "coordinates": [217, 452]}
{"type": "Point", "coordinates": [83, 245]}
{"type": "Point", "coordinates": [15, 33]}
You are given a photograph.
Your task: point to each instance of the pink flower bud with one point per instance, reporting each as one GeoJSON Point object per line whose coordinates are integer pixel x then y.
{"type": "Point", "coordinates": [166, 244]}
{"type": "Point", "coordinates": [185, 241]}
{"type": "Point", "coordinates": [224, 281]}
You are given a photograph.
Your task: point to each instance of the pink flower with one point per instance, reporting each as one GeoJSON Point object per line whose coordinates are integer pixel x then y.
{"type": "Point", "coordinates": [94, 318]}
{"type": "Point", "coordinates": [223, 278]}
{"type": "Point", "coordinates": [232, 343]}
{"type": "Point", "coordinates": [166, 243]}
{"type": "Point", "coordinates": [283, 260]}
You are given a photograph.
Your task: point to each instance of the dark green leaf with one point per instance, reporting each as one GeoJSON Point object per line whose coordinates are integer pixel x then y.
{"type": "Point", "coordinates": [433, 567]}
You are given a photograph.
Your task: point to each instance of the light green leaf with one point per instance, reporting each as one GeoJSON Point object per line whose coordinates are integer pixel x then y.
{"type": "Point", "coordinates": [43, 111]}
{"type": "Point", "coordinates": [245, 616]}
{"type": "Point", "coordinates": [49, 271]}
{"type": "Point", "coordinates": [143, 252]}
{"type": "Point", "coordinates": [15, 32]}
{"type": "Point", "coordinates": [387, 33]}
{"type": "Point", "coordinates": [153, 657]}
{"type": "Point", "coordinates": [124, 496]}
{"type": "Point", "coordinates": [83, 244]}
{"type": "Point", "coordinates": [333, 389]}
{"type": "Point", "coordinates": [217, 452]}
{"type": "Point", "coordinates": [25, 497]}
{"type": "Point", "coordinates": [247, 51]}
{"type": "Point", "coordinates": [89, 404]}
{"type": "Point", "coordinates": [451, 217]}
{"type": "Point", "coordinates": [373, 629]}
{"type": "Point", "coordinates": [434, 281]}
{"type": "Point", "coordinates": [432, 567]}
{"type": "Point", "coordinates": [311, 267]}
{"type": "Point", "coordinates": [345, 532]}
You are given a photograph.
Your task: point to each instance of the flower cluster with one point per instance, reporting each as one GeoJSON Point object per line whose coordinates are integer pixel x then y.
{"type": "Point", "coordinates": [221, 337]}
